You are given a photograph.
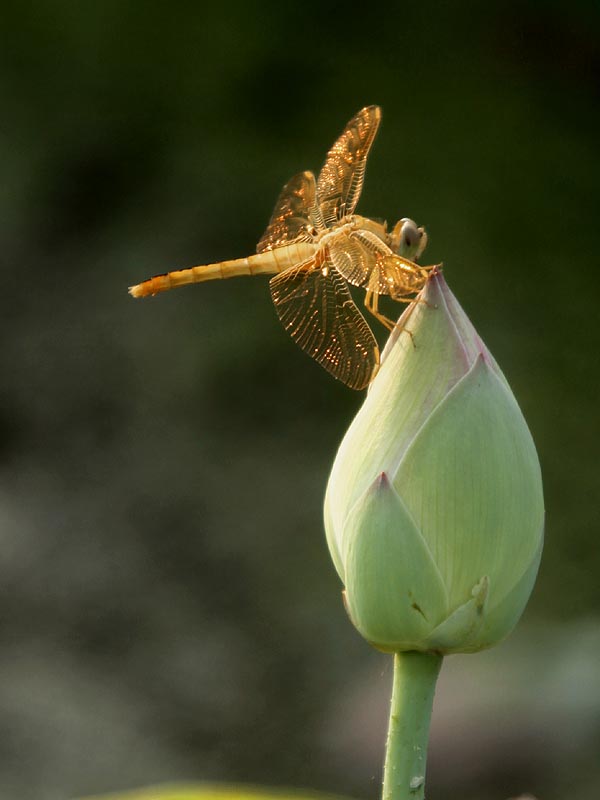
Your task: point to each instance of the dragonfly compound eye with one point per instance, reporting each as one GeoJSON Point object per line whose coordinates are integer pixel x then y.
{"type": "Point", "coordinates": [411, 235]}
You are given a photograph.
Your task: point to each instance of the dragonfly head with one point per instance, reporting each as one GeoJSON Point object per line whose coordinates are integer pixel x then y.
{"type": "Point", "coordinates": [408, 240]}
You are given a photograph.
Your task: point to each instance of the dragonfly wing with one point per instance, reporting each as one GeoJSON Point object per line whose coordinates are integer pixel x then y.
{"type": "Point", "coordinates": [295, 214]}
{"type": "Point", "coordinates": [352, 259]}
{"type": "Point", "coordinates": [341, 178]}
{"type": "Point", "coordinates": [364, 259]}
{"type": "Point", "coordinates": [359, 254]}
{"type": "Point", "coordinates": [315, 306]}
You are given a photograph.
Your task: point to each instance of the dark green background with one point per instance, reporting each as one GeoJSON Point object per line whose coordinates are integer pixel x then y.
{"type": "Point", "coordinates": [168, 606]}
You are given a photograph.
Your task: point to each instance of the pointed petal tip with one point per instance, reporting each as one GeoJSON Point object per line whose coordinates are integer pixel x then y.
{"type": "Point", "coordinates": [483, 360]}
{"type": "Point", "coordinates": [382, 481]}
{"type": "Point", "coordinates": [381, 487]}
{"type": "Point", "coordinates": [437, 292]}
{"type": "Point", "coordinates": [436, 285]}
{"type": "Point", "coordinates": [436, 281]}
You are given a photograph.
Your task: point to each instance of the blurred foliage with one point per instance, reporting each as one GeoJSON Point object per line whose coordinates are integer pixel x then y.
{"type": "Point", "coordinates": [184, 792]}
{"type": "Point", "coordinates": [168, 607]}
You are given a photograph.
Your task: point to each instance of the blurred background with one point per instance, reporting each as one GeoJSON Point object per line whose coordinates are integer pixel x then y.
{"type": "Point", "coordinates": [168, 608]}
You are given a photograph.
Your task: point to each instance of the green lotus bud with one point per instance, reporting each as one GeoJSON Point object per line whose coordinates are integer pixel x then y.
{"type": "Point", "coordinates": [434, 509]}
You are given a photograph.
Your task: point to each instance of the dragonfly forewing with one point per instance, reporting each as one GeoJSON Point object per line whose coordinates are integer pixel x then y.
{"type": "Point", "coordinates": [295, 216]}
{"type": "Point", "coordinates": [341, 178]}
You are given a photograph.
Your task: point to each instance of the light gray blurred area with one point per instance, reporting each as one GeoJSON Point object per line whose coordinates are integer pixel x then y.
{"type": "Point", "coordinates": [510, 708]}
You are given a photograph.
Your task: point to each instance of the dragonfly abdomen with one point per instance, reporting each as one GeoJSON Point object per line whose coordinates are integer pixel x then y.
{"type": "Point", "coordinates": [267, 263]}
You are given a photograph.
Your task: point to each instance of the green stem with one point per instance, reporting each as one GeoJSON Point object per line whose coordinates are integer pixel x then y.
{"type": "Point", "coordinates": [415, 676]}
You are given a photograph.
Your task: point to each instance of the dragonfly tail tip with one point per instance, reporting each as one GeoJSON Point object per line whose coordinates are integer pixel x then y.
{"type": "Point", "coordinates": [136, 291]}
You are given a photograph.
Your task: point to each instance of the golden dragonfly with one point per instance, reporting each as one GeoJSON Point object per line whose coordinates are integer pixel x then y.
{"type": "Point", "coordinates": [315, 245]}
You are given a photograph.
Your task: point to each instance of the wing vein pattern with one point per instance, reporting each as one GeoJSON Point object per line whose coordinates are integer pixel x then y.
{"type": "Point", "coordinates": [314, 305]}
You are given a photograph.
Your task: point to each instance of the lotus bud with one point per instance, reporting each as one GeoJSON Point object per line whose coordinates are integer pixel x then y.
{"type": "Point", "coordinates": [434, 509]}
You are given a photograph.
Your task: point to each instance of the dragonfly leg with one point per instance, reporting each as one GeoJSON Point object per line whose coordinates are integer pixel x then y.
{"type": "Point", "coordinates": [372, 304]}
{"type": "Point", "coordinates": [401, 297]}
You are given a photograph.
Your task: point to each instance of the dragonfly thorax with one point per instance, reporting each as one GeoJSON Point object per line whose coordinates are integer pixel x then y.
{"type": "Point", "coordinates": [325, 236]}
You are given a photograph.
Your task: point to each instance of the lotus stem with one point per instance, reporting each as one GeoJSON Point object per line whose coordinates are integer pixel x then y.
{"type": "Point", "coordinates": [415, 677]}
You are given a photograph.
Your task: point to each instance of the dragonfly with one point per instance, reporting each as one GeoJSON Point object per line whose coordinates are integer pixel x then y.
{"type": "Point", "coordinates": [315, 246]}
